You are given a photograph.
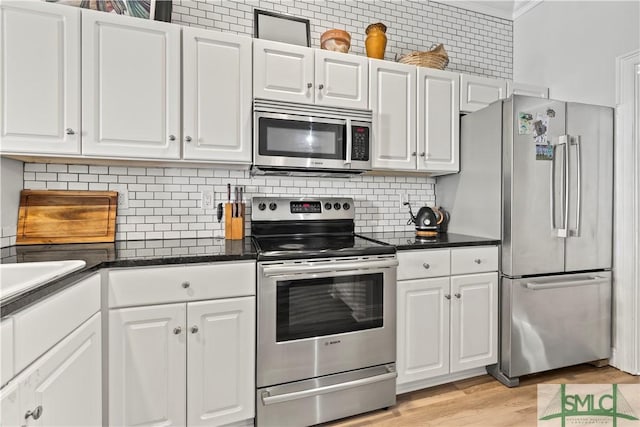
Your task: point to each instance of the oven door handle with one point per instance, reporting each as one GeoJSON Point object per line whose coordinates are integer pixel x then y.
{"type": "Point", "coordinates": [305, 268]}
{"type": "Point", "coordinates": [270, 400]}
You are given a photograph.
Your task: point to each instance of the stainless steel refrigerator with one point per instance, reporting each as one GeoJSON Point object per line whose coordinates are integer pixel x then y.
{"type": "Point", "coordinates": [538, 174]}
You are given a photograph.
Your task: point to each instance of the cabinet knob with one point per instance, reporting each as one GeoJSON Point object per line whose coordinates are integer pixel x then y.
{"type": "Point", "coordinates": [320, 86]}
{"type": "Point", "coordinates": [447, 296]}
{"type": "Point", "coordinates": [426, 266]}
{"type": "Point", "coordinates": [477, 261]}
{"type": "Point", "coordinates": [458, 296]}
{"type": "Point", "coordinates": [172, 137]}
{"type": "Point", "coordinates": [35, 414]}
{"type": "Point", "coordinates": [70, 131]}
{"type": "Point", "coordinates": [187, 138]}
{"type": "Point", "coordinates": [186, 284]}
{"type": "Point", "coordinates": [423, 154]}
{"type": "Point", "coordinates": [194, 329]}
{"type": "Point", "coordinates": [413, 154]}
{"type": "Point", "coordinates": [309, 85]}
{"type": "Point", "coordinates": [177, 330]}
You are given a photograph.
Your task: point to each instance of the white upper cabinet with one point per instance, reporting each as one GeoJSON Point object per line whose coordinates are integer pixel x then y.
{"type": "Point", "coordinates": [515, 88]}
{"type": "Point", "coordinates": [293, 73]}
{"type": "Point", "coordinates": [216, 96]}
{"type": "Point", "coordinates": [130, 87]}
{"type": "Point", "coordinates": [438, 121]}
{"type": "Point", "coordinates": [282, 71]}
{"type": "Point", "coordinates": [39, 78]}
{"type": "Point", "coordinates": [392, 92]}
{"type": "Point", "coordinates": [408, 100]}
{"type": "Point", "coordinates": [478, 92]}
{"type": "Point", "coordinates": [341, 80]}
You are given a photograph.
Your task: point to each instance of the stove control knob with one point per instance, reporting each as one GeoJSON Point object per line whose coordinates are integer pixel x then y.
{"type": "Point", "coordinates": [272, 206]}
{"type": "Point", "coordinates": [262, 206]}
{"type": "Point", "coordinates": [346, 206]}
{"type": "Point", "coordinates": [327, 206]}
{"type": "Point", "coordinates": [336, 206]}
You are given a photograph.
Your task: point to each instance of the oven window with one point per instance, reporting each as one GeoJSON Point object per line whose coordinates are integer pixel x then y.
{"type": "Point", "coordinates": [301, 139]}
{"type": "Point", "coordinates": [316, 307]}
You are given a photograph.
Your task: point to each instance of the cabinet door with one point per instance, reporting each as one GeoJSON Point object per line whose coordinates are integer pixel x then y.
{"type": "Point", "coordinates": [515, 88]}
{"type": "Point", "coordinates": [393, 101]}
{"type": "Point", "coordinates": [474, 321]}
{"type": "Point", "coordinates": [130, 87]}
{"type": "Point", "coordinates": [221, 361]}
{"type": "Point", "coordinates": [216, 96]}
{"type": "Point", "coordinates": [40, 78]}
{"type": "Point", "coordinates": [341, 80]}
{"type": "Point", "coordinates": [11, 414]}
{"type": "Point", "coordinates": [423, 329]}
{"type": "Point", "coordinates": [67, 381]}
{"type": "Point", "coordinates": [147, 366]}
{"type": "Point", "coordinates": [282, 71]}
{"type": "Point", "coordinates": [478, 92]}
{"type": "Point", "coordinates": [438, 120]}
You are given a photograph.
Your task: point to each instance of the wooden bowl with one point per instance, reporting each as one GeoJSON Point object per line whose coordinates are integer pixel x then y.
{"type": "Point", "coordinates": [335, 40]}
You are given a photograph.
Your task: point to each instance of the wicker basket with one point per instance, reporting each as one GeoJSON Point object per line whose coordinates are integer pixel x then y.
{"type": "Point", "coordinates": [436, 57]}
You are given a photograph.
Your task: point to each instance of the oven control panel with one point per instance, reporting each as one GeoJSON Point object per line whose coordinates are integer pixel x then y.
{"type": "Point", "coordinates": [302, 208]}
{"type": "Point", "coordinates": [305, 207]}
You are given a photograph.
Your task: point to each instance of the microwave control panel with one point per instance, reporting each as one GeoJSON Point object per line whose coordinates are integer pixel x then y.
{"type": "Point", "coordinates": [360, 143]}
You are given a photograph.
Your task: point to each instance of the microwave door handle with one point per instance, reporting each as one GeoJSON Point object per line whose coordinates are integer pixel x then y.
{"type": "Point", "coordinates": [347, 157]}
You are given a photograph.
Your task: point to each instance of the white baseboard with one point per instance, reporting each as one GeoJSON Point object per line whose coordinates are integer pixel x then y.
{"type": "Point", "coordinates": [442, 379]}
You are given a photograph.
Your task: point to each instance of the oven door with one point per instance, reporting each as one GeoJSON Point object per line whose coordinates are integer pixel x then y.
{"type": "Point", "coordinates": [324, 316]}
{"type": "Point", "coordinates": [292, 141]}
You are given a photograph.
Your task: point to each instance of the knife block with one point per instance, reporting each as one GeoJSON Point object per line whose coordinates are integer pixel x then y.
{"type": "Point", "coordinates": [233, 226]}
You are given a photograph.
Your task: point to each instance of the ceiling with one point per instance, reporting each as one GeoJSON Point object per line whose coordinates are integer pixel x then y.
{"type": "Point", "coordinates": [507, 9]}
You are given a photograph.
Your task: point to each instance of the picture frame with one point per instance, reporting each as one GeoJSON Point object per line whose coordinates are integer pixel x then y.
{"type": "Point", "coordinates": [158, 10]}
{"type": "Point", "coordinates": [281, 28]}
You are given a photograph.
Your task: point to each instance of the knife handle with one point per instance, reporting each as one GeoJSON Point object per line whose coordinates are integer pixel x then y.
{"type": "Point", "coordinates": [219, 212]}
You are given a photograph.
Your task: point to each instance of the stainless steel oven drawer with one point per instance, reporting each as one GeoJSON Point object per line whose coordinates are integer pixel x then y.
{"type": "Point", "coordinates": [322, 399]}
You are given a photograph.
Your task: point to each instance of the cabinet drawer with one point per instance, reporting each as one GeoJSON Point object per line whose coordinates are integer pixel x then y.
{"type": "Point", "coordinates": [474, 260]}
{"type": "Point", "coordinates": [40, 327]}
{"type": "Point", "coordinates": [418, 264]}
{"type": "Point", "coordinates": [159, 285]}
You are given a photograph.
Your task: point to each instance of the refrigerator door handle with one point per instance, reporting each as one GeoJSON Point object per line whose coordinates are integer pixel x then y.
{"type": "Point", "coordinates": [566, 284]}
{"type": "Point", "coordinates": [564, 141]}
{"type": "Point", "coordinates": [576, 142]}
{"type": "Point", "coordinates": [552, 188]}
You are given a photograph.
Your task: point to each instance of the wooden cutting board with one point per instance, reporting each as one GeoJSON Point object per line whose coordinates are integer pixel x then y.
{"type": "Point", "coordinates": [62, 216]}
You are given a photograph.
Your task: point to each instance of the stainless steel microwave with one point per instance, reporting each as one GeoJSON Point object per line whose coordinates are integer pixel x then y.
{"type": "Point", "coordinates": [290, 138]}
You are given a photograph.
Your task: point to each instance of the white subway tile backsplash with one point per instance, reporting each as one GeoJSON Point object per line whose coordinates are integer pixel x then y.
{"type": "Point", "coordinates": [412, 25]}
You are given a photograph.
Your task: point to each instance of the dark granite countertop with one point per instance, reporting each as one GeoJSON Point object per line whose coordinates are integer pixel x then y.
{"type": "Point", "coordinates": [134, 253]}
{"type": "Point", "coordinates": [407, 240]}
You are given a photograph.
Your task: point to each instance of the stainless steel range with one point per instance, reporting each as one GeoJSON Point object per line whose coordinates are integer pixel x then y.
{"type": "Point", "coordinates": [326, 313]}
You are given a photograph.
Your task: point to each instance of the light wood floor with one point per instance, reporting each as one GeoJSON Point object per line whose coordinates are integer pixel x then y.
{"type": "Point", "coordinates": [481, 401]}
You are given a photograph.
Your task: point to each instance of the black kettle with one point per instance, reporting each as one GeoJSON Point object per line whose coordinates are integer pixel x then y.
{"type": "Point", "coordinates": [426, 221]}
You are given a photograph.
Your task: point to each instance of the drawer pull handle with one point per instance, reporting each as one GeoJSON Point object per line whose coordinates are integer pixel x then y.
{"type": "Point", "coordinates": [477, 261]}
{"type": "Point", "coordinates": [458, 296]}
{"type": "Point", "coordinates": [447, 296]}
{"type": "Point", "coordinates": [186, 284]}
{"type": "Point", "coordinates": [35, 414]}
{"type": "Point", "coordinates": [426, 266]}
{"type": "Point", "coordinates": [177, 330]}
{"type": "Point", "coordinates": [194, 329]}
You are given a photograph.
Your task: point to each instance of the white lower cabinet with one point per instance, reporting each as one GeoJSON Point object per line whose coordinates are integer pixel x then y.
{"type": "Point", "coordinates": [63, 387]}
{"type": "Point", "coordinates": [188, 362]}
{"type": "Point", "coordinates": [446, 324]}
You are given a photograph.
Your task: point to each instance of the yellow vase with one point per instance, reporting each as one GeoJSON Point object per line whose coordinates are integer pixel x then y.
{"type": "Point", "coordinates": [376, 41]}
